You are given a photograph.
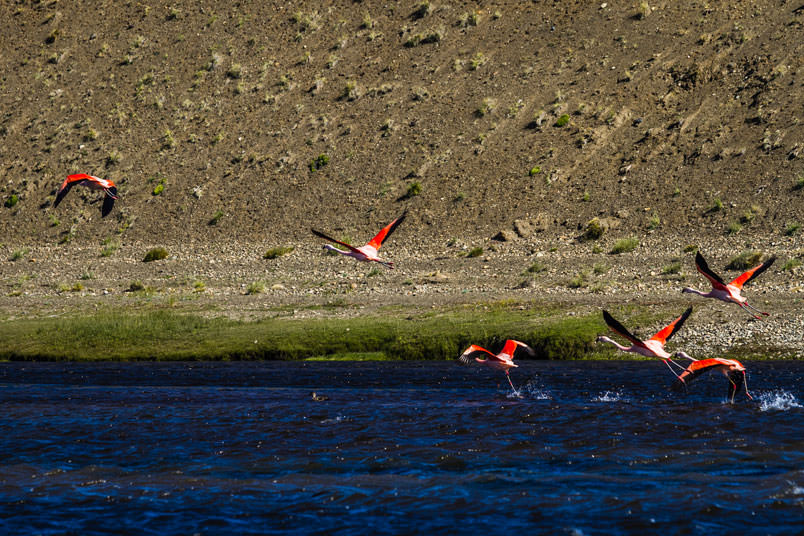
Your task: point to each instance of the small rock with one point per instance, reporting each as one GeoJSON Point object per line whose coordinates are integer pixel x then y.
{"type": "Point", "coordinates": [505, 235]}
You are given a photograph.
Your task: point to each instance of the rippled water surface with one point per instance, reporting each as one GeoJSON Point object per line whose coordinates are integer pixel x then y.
{"type": "Point", "coordinates": [243, 448]}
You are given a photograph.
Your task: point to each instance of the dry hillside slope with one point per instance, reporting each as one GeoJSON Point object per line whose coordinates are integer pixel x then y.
{"type": "Point", "coordinates": [451, 109]}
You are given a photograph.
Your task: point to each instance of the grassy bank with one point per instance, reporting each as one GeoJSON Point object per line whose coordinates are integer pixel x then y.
{"type": "Point", "coordinates": [167, 335]}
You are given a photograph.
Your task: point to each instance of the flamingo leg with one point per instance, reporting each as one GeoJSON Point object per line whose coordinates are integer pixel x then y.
{"type": "Point", "coordinates": [745, 308]}
{"type": "Point", "coordinates": [508, 377]}
{"type": "Point", "coordinates": [667, 362]}
{"type": "Point", "coordinates": [755, 309]}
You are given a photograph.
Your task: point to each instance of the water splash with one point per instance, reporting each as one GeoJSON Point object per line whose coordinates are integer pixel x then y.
{"type": "Point", "coordinates": [778, 400]}
{"type": "Point", "coordinates": [534, 391]}
{"type": "Point", "coordinates": [609, 396]}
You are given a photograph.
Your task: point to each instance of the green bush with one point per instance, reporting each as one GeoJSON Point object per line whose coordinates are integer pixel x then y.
{"type": "Point", "coordinates": [156, 254]}
{"type": "Point", "coordinates": [594, 230]}
{"type": "Point", "coordinates": [319, 162]}
{"type": "Point", "coordinates": [475, 252]}
{"type": "Point", "coordinates": [624, 245]}
{"type": "Point", "coordinates": [745, 260]}
{"type": "Point", "coordinates": [275, 253]}
{"type": "Point", "coordinates": [563, 120]}
{"type": "Point", "coordinates": [12, 200]}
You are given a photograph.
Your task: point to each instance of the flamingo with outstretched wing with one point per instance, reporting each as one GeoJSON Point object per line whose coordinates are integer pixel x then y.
{"type": "Point", "coordinates": [367, 253]}
{"type": "Point", "coordinates": [729, 292]}
{"type": "Point", "coordinates": [93, 183]}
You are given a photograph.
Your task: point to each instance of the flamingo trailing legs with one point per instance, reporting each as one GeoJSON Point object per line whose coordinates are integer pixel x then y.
{"type": "Point", "coordinates": [653, 347]}
{"type": "Point", "coordinates": [731, 368]}
{"type": "Point", "coordinates": [503, 361]}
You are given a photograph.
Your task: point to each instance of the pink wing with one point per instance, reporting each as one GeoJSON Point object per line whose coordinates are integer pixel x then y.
{"type": "Point", "coordinates": [474, 351]}
{"type": "Point", "coordinates": [511, 346]}
{"type": "Point", "coordinates": [664, 335]}
{"type": "Point", "coordinates": [386, 231]}
{"type": "Point", "coordinates": [752, 273]}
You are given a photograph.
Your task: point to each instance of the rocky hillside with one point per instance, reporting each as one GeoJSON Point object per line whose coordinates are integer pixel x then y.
{"type": "Point", "coordinates": [255, 120]}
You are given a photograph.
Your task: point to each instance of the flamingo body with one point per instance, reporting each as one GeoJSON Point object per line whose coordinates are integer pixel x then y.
{"type": "Point", "coordinates": [502, 361]}
{"type": "Point", "coordinates": [731, 368]}
{"type": "Point", "coordinates": [93, 183]}
{"type": "Point", "coordinates": [728, 292]}
{"type": "Point", "coordinates": [369, 252]}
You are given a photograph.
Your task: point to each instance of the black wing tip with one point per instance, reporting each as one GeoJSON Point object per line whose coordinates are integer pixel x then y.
{"type": "Point", "coordinates": [108, 205]}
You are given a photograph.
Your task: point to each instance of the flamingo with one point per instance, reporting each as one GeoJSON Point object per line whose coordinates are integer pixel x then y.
{"type": "Point", "coordinates": [503, 361]}
{"type": "Point", "coordinates": [731, 368]}
{"type": "Point", "coordinates": [93, 183]}
{"type": "Point", "coordinates": [367, 253]}
{"type": "Point", "coordinates": [729, 293]}
{"type": "Point", "coordinates": [653, 347]}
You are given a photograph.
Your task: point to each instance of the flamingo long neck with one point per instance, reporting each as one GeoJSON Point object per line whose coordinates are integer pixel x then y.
{"type": "Point", "coordinates": [619, 346]}
{"type": "Point", "coordinates": [336, 250]}
{"type": "Point", "coordinates": [698, 292]}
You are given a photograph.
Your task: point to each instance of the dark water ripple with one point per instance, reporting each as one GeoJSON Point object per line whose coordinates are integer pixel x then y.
{"type": "Point", "coordinates": [242, 448]}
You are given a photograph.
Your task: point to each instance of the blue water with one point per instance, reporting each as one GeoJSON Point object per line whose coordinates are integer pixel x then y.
{"type": "Point", "coordinates": [397, 448]}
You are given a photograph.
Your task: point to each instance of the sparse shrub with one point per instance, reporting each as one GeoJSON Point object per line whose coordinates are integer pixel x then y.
{"type": "Point", "coordinates": [471, 18]}
{"type": "Point", "coordinates": [644, 11]}
{"type": "Point", "coordinates": [624, 245]}
{"type": "Point", "coordinates": [672, 268]}
{"type": "Point", "coordinates": [155, 254]}
{"type": "Point", "coordinates": [799, 185]}
{"type": "Point", "coordinates": [374, 271]}
{"type": "Point", "coordinates": [733, 228]}
{"type": "Point", "coordinates": [235, 71]}
{"type": "Point", "coordinates": [12, 200]}
{"type": "Point", "coordinates": [745, 260]}
{"type": "Point", "coordinates": [109, 247]}
{"type": "Point", "coordinates": [594, 230]}
{"type": "Point", "coordinates": [475, 252]}
{"type": "Point", "coordinates": [654, 222]}
{"type": "Point", "coordinates": [792, 228]}
{"type": "Point", "coordinates": [257, 287]}
{"type": "Point", "coordinates": [535, 170]}
{"type": "Point", "coordinates": [600, 269]}
{"type": "Point", "coordinates": [579, 281]}
{"type": "Point", "coordinates": [717, 206]}
{"type": "Point", "coordinates": [690, 248]}
{"type": "Point", "coordinates": [414, 189]}
{"type": "Point", "coordinates": [791, 264]}
{"type": "Point", "coordinates": [112, 158]}
{"type": "Point", "coordinates": [319, 162]}
{"type": "Point", "coordinates": [585, 197]}
{"type": "Point", "coordinates": [485, 107]}
{"type": "Point", "coordinates": [199, 286]}
{"type": "Point", "coordinates": [275, 253]}
{"type": "Point", "coordinates": [535, 268]}
{"type": "Point", "coordinates": [158, 189]}
{"type": "Point", "coordinates": [77, 287]}
{"type": "Point", "coordinates": [18, 254]}
{"type": "Point", "coordinates": [136, 286]}
{"type": "Point", "coordinates": [477, 61]}
{"type": "Point", "coordinates": [422, 10]}
{"type": "Point", "coordinates": [54, 221]}
{"type": "Point", "coordinates": [216, 217]}
{"type": "Point", "coordinates": [563, 120]}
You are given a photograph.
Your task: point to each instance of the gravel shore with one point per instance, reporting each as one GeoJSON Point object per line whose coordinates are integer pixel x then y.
{"type": "Point", "coordinates": [574, 278]}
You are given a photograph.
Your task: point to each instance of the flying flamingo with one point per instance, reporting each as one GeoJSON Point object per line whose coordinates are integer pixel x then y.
{"type": "Point", "coordinates": [368, 252]}
{"type": "Point", "coordinates": [93, 183]}
{"type": "Point", "coordinates": [729, 293]}
{"type": "Point", "coordinates": [653, 347]}
{"type": "Point", "coordinates": [731, 368]}
{"type": "Point", "coordinates": [503, 361]}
